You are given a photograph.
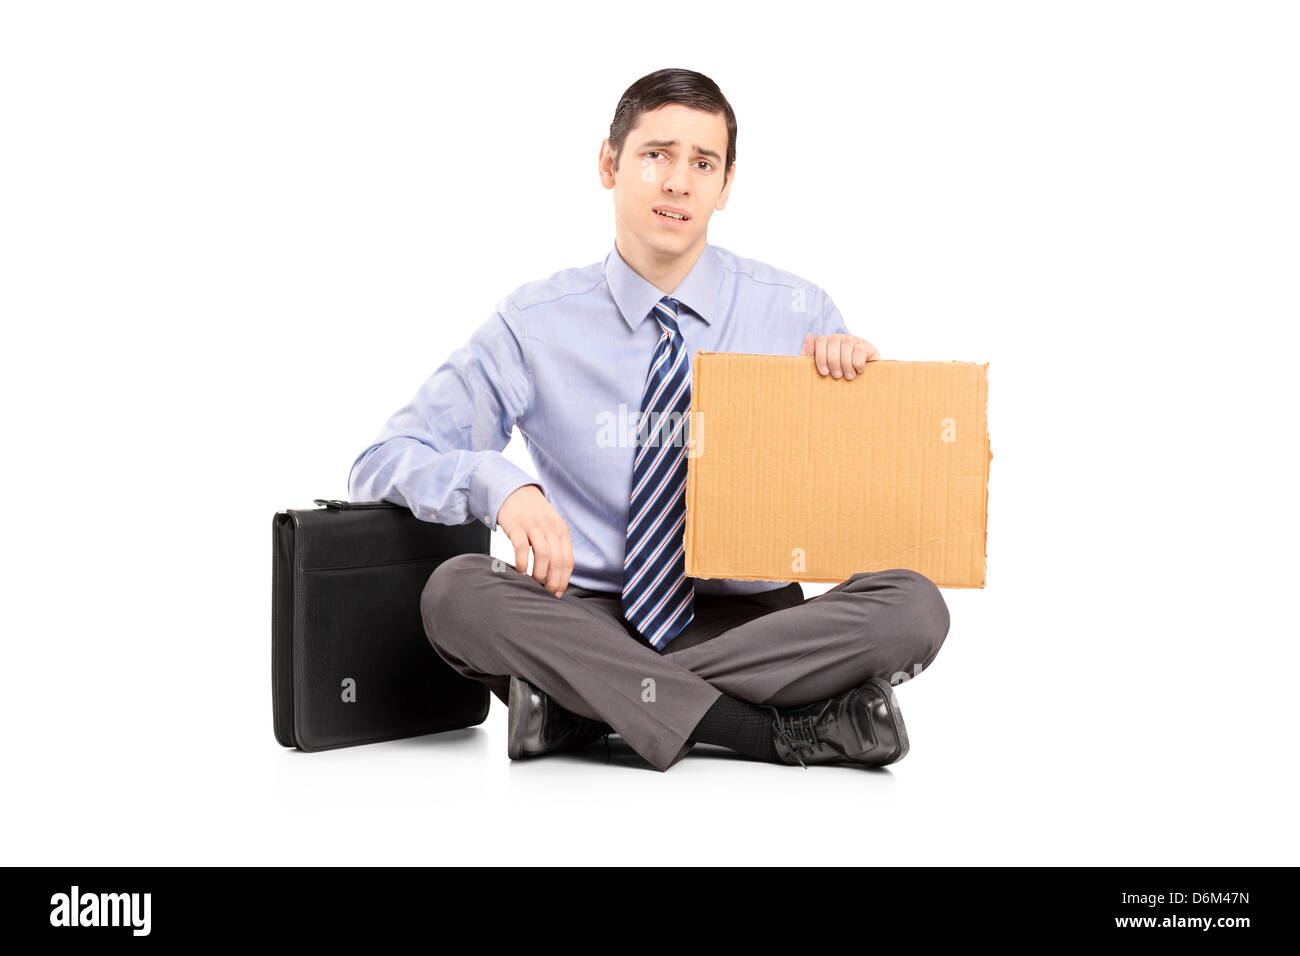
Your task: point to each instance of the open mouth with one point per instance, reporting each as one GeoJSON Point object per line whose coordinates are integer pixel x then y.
{"type": "Point", "coordinates": [672, 215]}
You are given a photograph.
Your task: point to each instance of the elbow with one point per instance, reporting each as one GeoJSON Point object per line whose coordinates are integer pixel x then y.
{"type": "Point", "coordinates": [360, 477]}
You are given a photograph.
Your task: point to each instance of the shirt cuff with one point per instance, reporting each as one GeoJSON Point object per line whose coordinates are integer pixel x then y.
{"type": "Point", "coordinates": [493, 481]}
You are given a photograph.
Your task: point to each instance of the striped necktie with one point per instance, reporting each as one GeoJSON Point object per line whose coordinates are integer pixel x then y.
{"type": "Point", "coordinates": [658, 597]}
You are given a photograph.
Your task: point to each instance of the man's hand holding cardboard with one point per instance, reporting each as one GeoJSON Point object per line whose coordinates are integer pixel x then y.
{"type": "Point", "coordinates": [840, 355]}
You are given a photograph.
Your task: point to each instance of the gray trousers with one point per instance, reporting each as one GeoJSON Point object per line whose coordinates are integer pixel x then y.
{"type": "Point", "coordinates": [489, 621]}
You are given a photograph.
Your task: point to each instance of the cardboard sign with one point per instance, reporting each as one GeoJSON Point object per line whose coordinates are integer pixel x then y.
{"type": "Point", "coordinates": [796, 476]}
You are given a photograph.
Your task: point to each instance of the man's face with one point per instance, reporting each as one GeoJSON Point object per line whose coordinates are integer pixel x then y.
{"type": "Point", "coordinates": [672, 160]}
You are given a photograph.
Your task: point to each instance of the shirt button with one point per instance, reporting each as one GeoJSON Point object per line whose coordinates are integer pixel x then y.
{"type": "Point", "coordinates": [487, 518]}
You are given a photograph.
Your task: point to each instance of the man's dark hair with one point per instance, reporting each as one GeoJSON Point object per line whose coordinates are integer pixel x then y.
{"type": "Point", "coordinates": [671, 86]}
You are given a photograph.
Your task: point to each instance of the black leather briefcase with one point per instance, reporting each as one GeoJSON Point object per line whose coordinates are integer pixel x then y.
{"type": "Point", "coordinates": [350, 662]}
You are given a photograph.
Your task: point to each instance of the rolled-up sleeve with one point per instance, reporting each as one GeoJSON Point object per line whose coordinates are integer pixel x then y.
{"type": "Point", "coordinates": [440, 453]}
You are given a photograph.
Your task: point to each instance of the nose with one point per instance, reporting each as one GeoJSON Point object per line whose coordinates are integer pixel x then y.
{"type": "Point", "coordinates": [676, 181]}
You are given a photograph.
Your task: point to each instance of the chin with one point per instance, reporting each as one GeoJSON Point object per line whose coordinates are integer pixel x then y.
{"type": "Point", "coordinates": [680, 245]}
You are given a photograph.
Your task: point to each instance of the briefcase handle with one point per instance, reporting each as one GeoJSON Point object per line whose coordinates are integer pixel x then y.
{"type": "Point", "coordinates": [338, 505]}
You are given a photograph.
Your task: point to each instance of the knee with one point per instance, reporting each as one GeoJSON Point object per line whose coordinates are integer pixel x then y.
{"type": "Point", "coordinates": [445, 593]}
{"type": "Point", "coordinates": [927, 614]}
{"type": "Point", "coordinates": [921, 621]}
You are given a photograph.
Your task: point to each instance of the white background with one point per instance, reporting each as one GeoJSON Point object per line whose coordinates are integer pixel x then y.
{"type": "Point", "coordinates": [235, 237]}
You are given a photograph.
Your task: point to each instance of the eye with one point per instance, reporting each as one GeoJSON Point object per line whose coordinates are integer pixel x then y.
{"type": "Point", "coordinates": [706, 163]}
{"type": "Point", "coordinates": [654, 152]}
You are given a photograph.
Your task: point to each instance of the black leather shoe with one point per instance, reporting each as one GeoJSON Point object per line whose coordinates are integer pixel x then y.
{"type": "Point", "coordinates": [863, 725]}
{"type": "Point", "coordinates": [538, 725]}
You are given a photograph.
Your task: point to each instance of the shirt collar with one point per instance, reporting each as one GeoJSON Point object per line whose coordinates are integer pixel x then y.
{"type": "Point", "coordinates": [635, 297]}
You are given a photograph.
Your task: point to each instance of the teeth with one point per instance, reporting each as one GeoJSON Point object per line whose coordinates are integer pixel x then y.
{"type": "Point", "coordinates": [674, 215]}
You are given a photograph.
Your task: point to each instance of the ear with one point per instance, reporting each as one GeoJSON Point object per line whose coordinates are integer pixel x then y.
{"type": "Point", "coordinates": [605, 165]}
{"type": "Point", "coordinates": [726, 190]}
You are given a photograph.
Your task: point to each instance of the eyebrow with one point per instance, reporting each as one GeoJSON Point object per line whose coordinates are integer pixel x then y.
{"type": "Point", "coordinates": [666, 143]}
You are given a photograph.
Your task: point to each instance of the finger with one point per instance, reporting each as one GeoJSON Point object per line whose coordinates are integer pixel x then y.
{"type": "Point", "coordinates": [541, 557]}
{"type": "Point", "coordinates": [520, 542]}
{"type": "Point", "coordinates": [860, 350]}
{"type": "Point", "coordinates": [873, 353]}
{"type": "Point", "coordinates": [820, 354]}
{"type": "Point", "coordinates": [555, 562]}
{"type": "Point", "coordinates": [833, 355]}
{"type": "Point", "coordinates": [808, 346]}
{"type": "Point", "coordinates": [566, 551]}
{"type": "Point", "coordinates": [846, 357]}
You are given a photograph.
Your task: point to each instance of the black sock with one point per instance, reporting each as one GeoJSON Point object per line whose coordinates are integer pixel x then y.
{"type": "Point", "coordinates": [739, 726]}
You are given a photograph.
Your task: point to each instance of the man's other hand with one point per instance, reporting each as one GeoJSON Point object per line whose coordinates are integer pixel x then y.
{"type": "Point", "coordinates": [528, 520]}
{"type": "Point", "coordinates": [840, 355]}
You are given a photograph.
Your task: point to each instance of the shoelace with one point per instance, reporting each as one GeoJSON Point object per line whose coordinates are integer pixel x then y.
{"type": "Point", "coordinates": [798, 730]}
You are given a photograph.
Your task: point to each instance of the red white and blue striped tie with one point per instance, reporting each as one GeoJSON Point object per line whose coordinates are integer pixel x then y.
{"type": "Point", "coordinates": [658, 597]}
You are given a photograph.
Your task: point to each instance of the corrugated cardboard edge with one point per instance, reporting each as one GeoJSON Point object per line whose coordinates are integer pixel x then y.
{"type": "Point", "coordinates": [988, 461]}
{"type": "Point", "coordinates": [691, 480]}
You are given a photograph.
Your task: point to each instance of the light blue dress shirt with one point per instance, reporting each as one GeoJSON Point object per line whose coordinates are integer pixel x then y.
{"type": "Point", "coordinates": [564, 359]}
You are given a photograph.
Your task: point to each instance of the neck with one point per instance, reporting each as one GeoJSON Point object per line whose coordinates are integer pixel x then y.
{"type": "Point", "coordinates": [665, 273]}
